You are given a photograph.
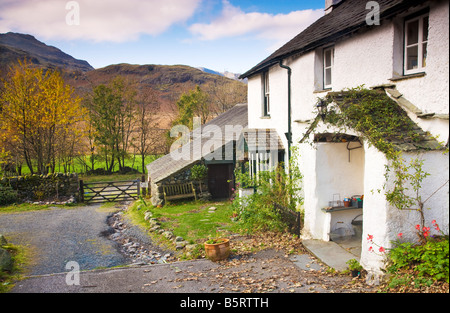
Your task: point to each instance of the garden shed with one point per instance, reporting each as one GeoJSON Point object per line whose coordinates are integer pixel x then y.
{"type": "Point", "coordinates": [212, 144]}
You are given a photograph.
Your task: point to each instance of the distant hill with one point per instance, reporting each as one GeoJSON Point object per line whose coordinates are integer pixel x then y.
{"type": "Point", "coordinates": [169, 82]}
{"type": "Point", "coordinates": [225, 74]}
{"type": "Point", "coordinates": [165, 83]}
{"type": "Point", "coordinates": [15, 46]}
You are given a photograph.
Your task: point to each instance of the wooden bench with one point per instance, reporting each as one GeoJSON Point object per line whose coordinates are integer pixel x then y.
{"type": "Point", "coordinates": [179, 191]}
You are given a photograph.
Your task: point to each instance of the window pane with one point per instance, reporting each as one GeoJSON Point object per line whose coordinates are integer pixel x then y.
{"type": "Point", "coordinates": [424, 55]}
{"type": "Point", "coordinates": [412, 57]}
{"type": "Point", "coordinates": [412, 33]}
{"type": "Point", "coordinates": [328, 77]}
{"type": "Point", "coordinates": [327, 58]}
{"type": "Point", "coordinates": [425, 28]}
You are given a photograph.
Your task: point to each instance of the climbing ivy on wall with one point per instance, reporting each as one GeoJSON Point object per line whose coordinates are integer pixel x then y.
{"type": "Point", "coordinates": [376, 117]}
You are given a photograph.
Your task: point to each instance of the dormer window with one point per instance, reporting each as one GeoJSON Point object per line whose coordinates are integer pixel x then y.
{"type": "Point", "coordinates": [328, 62]}
{"type": "Point", "coordinates": [416, 42]}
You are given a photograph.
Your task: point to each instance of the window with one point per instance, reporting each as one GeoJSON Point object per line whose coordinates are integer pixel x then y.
{"type": "Point", "coordinates": [416, 41]}
{"type": "Point", "coordinates": [266, 94]}
{"type": "Point", "coordinates": [328, 62]}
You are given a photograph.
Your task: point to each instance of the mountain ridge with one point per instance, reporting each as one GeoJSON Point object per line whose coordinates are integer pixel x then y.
{"type": "Point", "coordinates": [27, 46]}
{"type": "Point", "coordinates": [167, 82]}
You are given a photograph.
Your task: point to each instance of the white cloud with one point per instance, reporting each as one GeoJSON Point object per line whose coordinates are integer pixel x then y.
{"type": "Point", "coordinates": [234, 22]}
{"type": "Point", "coordinates": [100, 20]}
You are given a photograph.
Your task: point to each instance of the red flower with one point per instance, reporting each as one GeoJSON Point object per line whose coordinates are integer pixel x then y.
{"type": "Point", "coordinates": [400, 235]}
{"type": "Point", "coordinates": [433, 222]}
{"type": "Point", "coordinates": [437, 227]}
{"type": "Point", "coordinates": [370, 249]}
{"type": "Point", "coordinates": [418, 227]}
{"type": "Point", "coordinates": [381, 249]}
{"type": "Point", "coordinates": [369, 237]}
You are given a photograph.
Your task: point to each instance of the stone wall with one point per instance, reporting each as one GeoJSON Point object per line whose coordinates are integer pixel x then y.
{"type": "Point", "coordinates": [52, 187]}
{"type": "Point", "coordinates": [177, 178]}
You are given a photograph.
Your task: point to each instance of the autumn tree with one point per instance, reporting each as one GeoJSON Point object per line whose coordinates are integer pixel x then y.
{"type": "Point", "coordinates": [145, 123]}
{"type": "Point", "coordinates": [111, 111]}
{"type": "Point", "coordinates": [194, 103]}
{"type": "Point", "coordinates": [224, 96]}
{"type": "Point", "coordinates": [39, 115]}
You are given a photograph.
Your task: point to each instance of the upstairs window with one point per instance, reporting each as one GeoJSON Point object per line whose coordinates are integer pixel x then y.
{"type": "Point", "coordinates": [416, 42]}
{"type": "Point", "coordinates": [328, 62]}
{"type": "Point", "coordinates": [266, 94]}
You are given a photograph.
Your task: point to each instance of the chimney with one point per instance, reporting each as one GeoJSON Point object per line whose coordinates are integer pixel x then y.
{"type": "Point", "coordinates": [330, 4]}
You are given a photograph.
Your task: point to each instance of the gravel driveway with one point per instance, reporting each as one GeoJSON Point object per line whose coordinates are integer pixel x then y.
{"type": "Point", "coordinates": [59, 235]}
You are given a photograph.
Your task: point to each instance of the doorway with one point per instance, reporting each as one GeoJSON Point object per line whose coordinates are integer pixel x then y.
{"type": "Point", "coordinates": [220, 180]}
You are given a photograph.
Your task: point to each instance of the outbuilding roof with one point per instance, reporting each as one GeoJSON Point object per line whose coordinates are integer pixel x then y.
{"type": "Point", "coordinates": [193, 151]}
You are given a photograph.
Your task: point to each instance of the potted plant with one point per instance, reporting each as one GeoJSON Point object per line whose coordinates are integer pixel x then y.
{"type": "Point", "coordinates": [217, 249]}
{"type": "Point", "coordinates": [354, 267]}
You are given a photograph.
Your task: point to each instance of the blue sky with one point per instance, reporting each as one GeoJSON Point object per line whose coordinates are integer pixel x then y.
{"type": "Point", "coordinates": [223, 35]}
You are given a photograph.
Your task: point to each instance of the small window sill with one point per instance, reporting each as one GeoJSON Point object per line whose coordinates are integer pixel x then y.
{"type": "Point", "coordinates": [323, 90]}
{"type": "Point", "coordinates": [417, 75]}
{"type": "Point", "coordinates": [266, 117]}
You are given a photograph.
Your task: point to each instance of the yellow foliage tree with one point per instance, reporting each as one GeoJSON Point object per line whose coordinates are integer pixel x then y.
{"type": "Point", "coordinates": [39, 114]}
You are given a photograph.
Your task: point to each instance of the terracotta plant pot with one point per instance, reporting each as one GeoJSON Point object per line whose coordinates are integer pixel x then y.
{"type": "Point", "coordinates": [218, 251]}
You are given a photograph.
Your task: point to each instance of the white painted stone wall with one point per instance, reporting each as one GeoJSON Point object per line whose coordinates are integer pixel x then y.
{"type": "Point", "coordinates": [385, 222]}
{"type": "Point", "coordinates": [369, 58]}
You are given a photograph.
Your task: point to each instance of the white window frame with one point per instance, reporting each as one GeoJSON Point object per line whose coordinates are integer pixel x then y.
{"type": "Point", "coordinates": [330, 67]}
{"type": "Point", "coordinates": [266, 94]}
{"type": "Point", "coordinates": [420, 43]}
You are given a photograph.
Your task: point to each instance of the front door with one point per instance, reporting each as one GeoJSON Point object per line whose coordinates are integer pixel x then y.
{"type": "Point", "coordinates": [220, 180]}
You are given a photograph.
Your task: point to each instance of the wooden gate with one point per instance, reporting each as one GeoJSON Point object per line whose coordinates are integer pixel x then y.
{"type": "Point", "coordinates": [109, 191]}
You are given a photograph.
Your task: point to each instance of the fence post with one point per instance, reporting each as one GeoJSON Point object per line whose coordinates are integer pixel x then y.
{"type": "Point", "coordinates": [138, 188]}
{"type": "Point", "coordinates": [81, 193]}
{"type": "Point", "coordinates": [144, 190]}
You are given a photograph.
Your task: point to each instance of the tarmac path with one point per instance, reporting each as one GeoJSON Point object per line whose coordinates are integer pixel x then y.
{"type": "Point", "coordinates": [58, 236]}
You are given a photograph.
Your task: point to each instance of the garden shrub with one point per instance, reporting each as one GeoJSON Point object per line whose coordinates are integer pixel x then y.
{"type": "Point", "coordinates": [429, 260]}
{"type": "Point", "coordinates": [7, 195]}
{"type": "Point", "coordinates": [278, 187]}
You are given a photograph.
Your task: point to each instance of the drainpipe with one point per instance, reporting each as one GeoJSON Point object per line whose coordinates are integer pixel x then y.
{"type": "Point", "coordinates": [289, 133]}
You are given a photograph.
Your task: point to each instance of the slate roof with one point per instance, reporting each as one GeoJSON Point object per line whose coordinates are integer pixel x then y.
{"type": "Point", "coordinates": [347, 17]}
{"type": "Point", "coordinates": [266, 139]}
{"type": "Point", "coordinates": [402, 138]}
{"type": "Point", "coordinates": [191, 152]}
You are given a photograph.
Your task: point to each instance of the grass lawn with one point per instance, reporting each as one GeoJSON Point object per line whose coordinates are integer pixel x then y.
{"type": "Point", "coordinates": [133, 161]}
{"type": "Point", "coordinates": [24, 207]}
{"type": "Point", "coordinates": [194, 221]}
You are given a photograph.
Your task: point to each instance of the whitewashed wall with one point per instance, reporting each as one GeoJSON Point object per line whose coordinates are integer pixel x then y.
{"type": "Point", "coordinates": [369, 58]}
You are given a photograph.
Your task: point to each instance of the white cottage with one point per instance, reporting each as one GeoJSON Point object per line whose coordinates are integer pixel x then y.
{"type": "Point", "coordinates": [397, 47]}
